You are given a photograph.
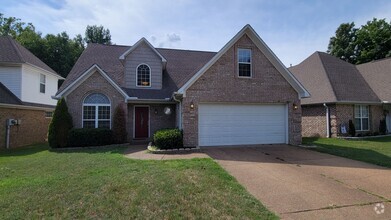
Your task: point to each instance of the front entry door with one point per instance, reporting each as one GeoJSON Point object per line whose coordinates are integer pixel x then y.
{"type": "Point", "coordinates": [141, 120]}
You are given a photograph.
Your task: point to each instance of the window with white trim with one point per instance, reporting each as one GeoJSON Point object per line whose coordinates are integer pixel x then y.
{"type": "Point", "coordinates": [96, 111]}
{"type": "Point", "coordinates": [143, 75]}
{"type": "Point", "coordinates": [361, 117]}
{"type": "Point", "coordinates": [244, 62]}
{"type": "Point", "coordinates": [42, 83]}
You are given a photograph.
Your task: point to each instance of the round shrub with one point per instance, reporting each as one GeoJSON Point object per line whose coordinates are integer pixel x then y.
{"type": "Point", "coordinates": [168, 139]}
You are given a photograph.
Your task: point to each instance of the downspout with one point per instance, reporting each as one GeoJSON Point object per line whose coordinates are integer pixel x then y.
{"type": "Point", "coordinates": [180, 110]}
{"type": "Point", "coordinates": [327, 120]}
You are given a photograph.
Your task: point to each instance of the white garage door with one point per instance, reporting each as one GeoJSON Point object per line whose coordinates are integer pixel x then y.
{"type": "Point", "coordinates": [232, 124]}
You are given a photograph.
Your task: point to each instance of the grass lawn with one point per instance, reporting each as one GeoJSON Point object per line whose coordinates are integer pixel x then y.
{"type": "Point", "coordinates": [36, 182]}
{"type": "Point", "coordinates": [373, 150]}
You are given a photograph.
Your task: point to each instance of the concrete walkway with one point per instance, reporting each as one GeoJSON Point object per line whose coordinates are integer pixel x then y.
{"type": "Point", "coordinates": [298, 183]}
{"type": "Point", "coordinates": [140, 152]}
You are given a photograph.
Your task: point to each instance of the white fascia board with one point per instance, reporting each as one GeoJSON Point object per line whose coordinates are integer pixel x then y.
{"type": "Point", "coordinates": [142, 40]}
{"type": "Point", "coordinates": [265, 50]}
{"type": "Point", "coordinates": [84, 77]}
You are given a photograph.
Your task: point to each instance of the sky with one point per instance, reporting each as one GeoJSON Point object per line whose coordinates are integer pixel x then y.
{"type": "Point", "coordinates": [293, 29]}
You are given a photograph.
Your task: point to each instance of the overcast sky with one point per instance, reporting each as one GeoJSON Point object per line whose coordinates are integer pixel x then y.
{"type": "Point", "coordinates": [292, 29]}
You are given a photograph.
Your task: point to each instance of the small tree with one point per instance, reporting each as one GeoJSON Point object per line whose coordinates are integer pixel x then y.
{"type": "Point", "coordinates": [383, 126]}
{"type": "Point", "coordinates": [60, 125]}
{"type": "Point", "coordinates": [119, 125]}
{"type": "Point", "coordinates": [352, 129]}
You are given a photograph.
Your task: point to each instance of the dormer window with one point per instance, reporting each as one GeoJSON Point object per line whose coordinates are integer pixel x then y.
{"type": "Point", "coordinates": [244, 62]}
{"type": "Point", "coordinates": [143, 75]}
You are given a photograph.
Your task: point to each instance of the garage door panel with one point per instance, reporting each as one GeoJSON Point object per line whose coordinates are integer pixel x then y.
{"type": "Point", "coordinates": [224, 124]}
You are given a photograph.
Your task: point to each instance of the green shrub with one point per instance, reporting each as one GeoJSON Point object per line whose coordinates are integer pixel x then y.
{"type": "Point", "coordinates": [168, 139]}
{"type": "Point", "coordinates": [85, 137]}
{"type": "Point", "coordinates": [119, 125]}
{"type": "Point", "coordinates": [352, 129]}
{"type": "Point", "coordinates": [60, 125]}
{"type": "Point", "coordinates": [383, 127]}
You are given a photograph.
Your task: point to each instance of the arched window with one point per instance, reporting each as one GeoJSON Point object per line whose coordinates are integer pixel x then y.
{"type": "Point", "coordinates": [96, 111]}
{"type": "Point", "coordinates": [143, 75]}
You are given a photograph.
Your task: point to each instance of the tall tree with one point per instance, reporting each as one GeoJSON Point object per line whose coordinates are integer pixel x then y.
{"type": "Point", "coordinates": [13, 26]}
{"type": "Point", "coordinates": [342, 45]}
{"type": "Point", "coordinates": [97, 34]}
{"type": "Point", "coordinates": [371, 41]}
{"type": "Point", "coordinates": [374, 40]}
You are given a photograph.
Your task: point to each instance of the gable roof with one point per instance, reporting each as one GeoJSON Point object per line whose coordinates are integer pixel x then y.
{"type": "Point", "coordinates": [330, 79]}
{"type": "Point", "coordinates": [378, 76]}
{"type": "Point", "coordinates": [137, 44]}
{"type": "Point", "coordinates": [250, 32]}
{"type": "Point", "coordinates": [12, 52]}
{"type": "Point", "coordinates": [181, 66]}
{"type": "Point", "coordinates": [7, 97]}
{"type": "Point", "coordinates": [94, 68]}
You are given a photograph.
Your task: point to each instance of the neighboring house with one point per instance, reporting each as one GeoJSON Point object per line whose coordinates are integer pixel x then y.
{"type": "Point", "coordinates": [340, 92]}
{"type": "Point", "coordinates": [26, 87]}
{"type": "Point", "coordinates": [241, 95]}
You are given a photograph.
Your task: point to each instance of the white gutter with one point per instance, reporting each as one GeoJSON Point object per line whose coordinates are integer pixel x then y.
{"type": "Point", "coordinates": [327, 120]}
{"type": "Point", "coordinates": [180, 111]}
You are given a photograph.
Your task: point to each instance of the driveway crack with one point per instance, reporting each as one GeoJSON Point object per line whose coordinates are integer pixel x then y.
{"type": "Point", "coordinates": [334, 207]}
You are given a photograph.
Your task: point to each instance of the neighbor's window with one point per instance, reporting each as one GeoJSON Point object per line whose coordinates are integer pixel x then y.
{"type": "Point", "coordinates": [361, 117]}
{"type": "Point", "coordinates": [42, 83]}
{"type": "Point", "coordinates": [143, 75]}
{"type": "Point", "coordinates": [244, 62]}
{"type": "Point", "coordinates": [96, 111]}
{"type": "Point", "coordinates": [48, 114]}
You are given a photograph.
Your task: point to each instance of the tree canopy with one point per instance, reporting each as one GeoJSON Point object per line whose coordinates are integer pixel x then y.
{"type": "Point", "coordinates": [371, 41]}
{"type": "Point", "coordinates": [58, 51]}
{"type": "Point", "coordinates": [97, 34]}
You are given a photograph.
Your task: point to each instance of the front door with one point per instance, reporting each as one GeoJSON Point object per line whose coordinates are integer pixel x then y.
{"type": "Point", "coordinates": [141, 122]}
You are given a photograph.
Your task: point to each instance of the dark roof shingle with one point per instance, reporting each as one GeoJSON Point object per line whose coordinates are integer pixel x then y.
{"type": "Point", "coordinates": [12, 52]}
{"type": "Point", "coordinates": [330, 79]}
{"type": "Point", "coordinates": [7, 97]}
{"type": "Point", "coordinates": [181, 66]}
{"type": "Point", "coordinates": [378, 76]}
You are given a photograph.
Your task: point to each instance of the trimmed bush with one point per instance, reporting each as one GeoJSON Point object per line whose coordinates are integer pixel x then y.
{"type": "Point", "coordinates": [352, 129]}
{"type": "Point", "coordinates": [168, 139]}
{"type": "Point", "coordinates": [60, 125]}
{"type": "Point", "coordinates": [119, 125]}
{"type": "Point", "coordinates": [383, 127]}
{"type": "Point", "coordinates": [85, 137]}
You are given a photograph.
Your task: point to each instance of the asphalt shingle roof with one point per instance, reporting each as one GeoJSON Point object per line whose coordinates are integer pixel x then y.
{"type": "Point", "coordinates": [378, 76]}
{"type": "Point", "coordinates": [7, 97]}
{"type": "Point", "coordinates": [181, 66]}
{"type": "Point", "coordinates": [12, 52]}
{"type": "Point", "coordinates": [330, 79]}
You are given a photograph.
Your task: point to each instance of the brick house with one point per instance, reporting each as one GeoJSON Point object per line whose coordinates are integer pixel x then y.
{"type": "Point", "coordinates": [241, 95]}
{"type": "Point", "coordinates": [26, 87]}
{"type": "Point", "coordinates": [340, 92]}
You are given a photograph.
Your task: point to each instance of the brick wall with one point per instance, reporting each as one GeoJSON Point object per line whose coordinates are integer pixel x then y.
{"type": "Point", "coordinates": [95, 84]}
{"type": "Point", "coordinates": [33, 129]}
{"type": "Point", "coordinates": [221, 84]}
{"type": "Point", "coordinates": [313, 121]}
{"type": "Point", "coordinates": [158, 120]}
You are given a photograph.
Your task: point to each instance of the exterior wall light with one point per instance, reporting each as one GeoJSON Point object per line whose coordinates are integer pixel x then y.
{"type": "Point", "coordinates": [295, 107]}
{"type": "Point", "coordinates": [156, 111]}
{"type": "Point", "coordinates": [191, 105]}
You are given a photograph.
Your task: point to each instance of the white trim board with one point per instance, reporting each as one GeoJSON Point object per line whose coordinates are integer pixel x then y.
{"type": "Point", "coordinates": [250, 32]}
{"type": "Point", "coordinates": [77, 82]}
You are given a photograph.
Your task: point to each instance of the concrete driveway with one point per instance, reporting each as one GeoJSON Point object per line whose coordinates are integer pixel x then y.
{"type": "Point", "coordinates": [298, 183]}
